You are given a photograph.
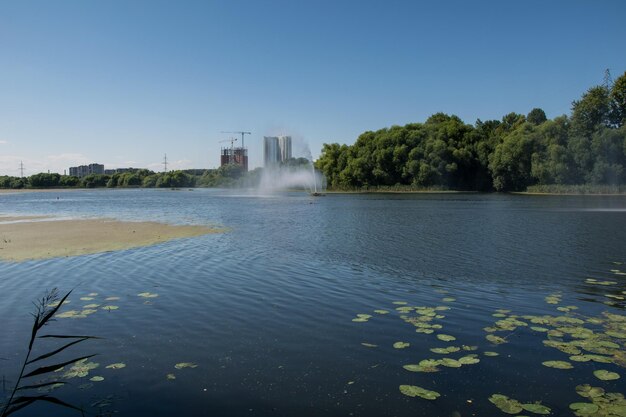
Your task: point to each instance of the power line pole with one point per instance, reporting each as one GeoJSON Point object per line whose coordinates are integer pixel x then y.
{"type": "Point", "coordinates": [608, 80]}
{"type": "Point", "coordinates": [165, 163]}
{"type": "Point", "coordinates": [21, 169]}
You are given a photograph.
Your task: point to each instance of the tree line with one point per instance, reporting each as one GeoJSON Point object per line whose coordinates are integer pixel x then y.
{"type": "Point", "coordinates": [511, 154]}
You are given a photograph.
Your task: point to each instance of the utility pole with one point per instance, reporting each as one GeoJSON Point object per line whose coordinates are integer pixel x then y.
{"type": "Point", "coordinates": [608, 80]}
{"type": "Point", "coordinates": [165, 163]}
{"type": "Point", "coordinates": [21, 169]}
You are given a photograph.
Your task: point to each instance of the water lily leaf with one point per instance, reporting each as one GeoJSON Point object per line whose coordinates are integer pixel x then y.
{"type": "Point", "coordinates": [491, 353]}
{"type": "Point", "coordinates": [448, 299]}
{"type": "Point", "coordinates": [557, 364]}
{"type": "Point", "coordinates": [584, 409]}
{"type": "Point", "coordinates": [506, 404]}
{"type": "Point", "coordinates": [109, 308]}
{"type": "Point", "coordinates": [497, 340]}
{"type": "Point", "coordinates": [469, 360]}
{"type": "Point", "coordinates": [446, 337]}
{"type": "Point", "coordinates": [539, 329]}
{"type": "Point", "coordinates": [147, 295]}
{"type": "Point", "coordinates": [183, 365]}
{"type": "Point", "coordinates": [96, 379]}
{"type": "Point", "coordinates": [427, 331]}
{"type": "Point", "coordinates": [451, 363]}
{"type": "Point", "coordinates": [89, 306]}
{"type": "Point", "coordinates": [588, 391]}
{"type": "Point", "coordinates": [536, 408]}
{"type": "Point", "coordinates": [617, 335]}
{"type": "Point", "coordinates": [446, 350]}
{"type": "Point", "coordinates": [119, 365]}
{"type": "Point", "coordinates": [111, 298]}
{"type": "Point", "coordinates": [499, 315]}
{"type": "Point", "coordinates": [381, 311]}
{"type": "Point", "coordinates": [401, 345]}
{"type": "Point", "coordinates": [369, 345]}
{"type": "Point", "coordinates": [469, 348]}
{"type": "Point", "coordinates": [400, 303]}
{"type": "Point", "coordinates": [414, 391]}
{"type": "Point", "coordinates": [86, 298]}
{"type": "Point", "coordinates": [170, 377]}
{"type": "Point", "coordinates": [605, 375]}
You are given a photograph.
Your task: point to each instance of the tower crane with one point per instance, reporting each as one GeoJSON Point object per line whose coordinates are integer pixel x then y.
{"type": "Point", "coordinates": [231, 156]}
{"type": "Point", "coordinates": [240, 133]}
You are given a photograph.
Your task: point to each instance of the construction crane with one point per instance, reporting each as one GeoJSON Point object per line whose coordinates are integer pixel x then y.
{"type": "Point", "coordinates": [231, 156]}
{"type": "Point", "coordinates": [240, 133]}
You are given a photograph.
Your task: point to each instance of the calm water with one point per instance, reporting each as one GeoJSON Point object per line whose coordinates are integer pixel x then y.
{"type": "Point", "coordinates": [265, 310]}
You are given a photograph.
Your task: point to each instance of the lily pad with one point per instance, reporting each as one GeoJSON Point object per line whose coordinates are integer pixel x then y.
{"type": "Point", "coordinates": [448, 299]}
{"type": "Point", "coordinates": [414, 391]}
{"type": "Point", "coordinates": [381, 311]}
{"type": "Point", "coordinates": [170, 377]}
{"type": "Point", "coordinates": [147, 295]}
{"type": "Point", "coordinates": [497, 340]}
{"type": "Point", "coordinates": [111, 298]}
{"type": "Point", "coordinates": [96, 379]}
{"type": "Point", "coordinates": [605, 375]}
{"type": "Point", "coordinates": [469, 360]}
{"type": "Point", "coordinates": [183, 365]}
{"type": "Point", "coordinates": [446, 337]}
{"type": "Point", "coordinates": [488, 353]}
{"type": "Point", "coordinates": [588, 391]}
{"type": "Point", "coordinates": [119, 365]}
{"type": "Point", "coordinates": [401, 345]}
{"type": "Point", "coordinates": [557, 364]}
{"type": "Point", "coordinates": [109, 308]}
{"type": "Point", "coordinates": [536, 408]}
{"type": "Point", "coordinates": [584, 409]}
{"type": "Point", "coordinates": [506, 404]}
{"type": "Point", "coordinates": [369, 345]}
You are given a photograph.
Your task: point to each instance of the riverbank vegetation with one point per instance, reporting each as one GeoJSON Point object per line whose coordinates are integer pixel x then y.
{"type": "Point", "coordinates": [585, 149]}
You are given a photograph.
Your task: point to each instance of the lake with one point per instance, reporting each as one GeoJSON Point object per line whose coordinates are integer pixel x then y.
{"type": "Point", "coordinates": [263, 318]}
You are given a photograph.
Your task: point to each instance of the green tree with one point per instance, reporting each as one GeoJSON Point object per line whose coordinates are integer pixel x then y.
{"type": "Point", "coordinates": [617, 102]}
{"type": "Point", "coordinates": [591, 112]}
{"type": "Point", "coordinates": [536, 116]}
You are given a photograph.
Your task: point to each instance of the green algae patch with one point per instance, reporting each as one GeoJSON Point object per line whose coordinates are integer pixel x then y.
{"type": "Point", "coordinates": [415, 391]}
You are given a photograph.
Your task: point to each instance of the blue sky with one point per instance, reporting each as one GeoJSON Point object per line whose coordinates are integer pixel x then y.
{"type": "Point", "coordinates": [122, 82]}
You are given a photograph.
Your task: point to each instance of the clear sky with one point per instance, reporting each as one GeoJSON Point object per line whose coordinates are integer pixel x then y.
{"type": "Point", "coordinates": [122, 82]}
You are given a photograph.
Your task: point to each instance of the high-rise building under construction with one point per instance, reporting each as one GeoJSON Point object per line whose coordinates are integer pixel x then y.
{"type": "Point", "coordinates": [276, 149]}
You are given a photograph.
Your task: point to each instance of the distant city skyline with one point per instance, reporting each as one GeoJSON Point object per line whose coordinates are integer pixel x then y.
{"type": "Point", "coordinates": [122, 83]}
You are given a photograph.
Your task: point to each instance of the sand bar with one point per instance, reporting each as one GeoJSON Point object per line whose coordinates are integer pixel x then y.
{"type": "Point", "coordinates": [27, 240]}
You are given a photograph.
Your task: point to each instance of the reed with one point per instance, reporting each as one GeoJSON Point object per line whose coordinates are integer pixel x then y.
{"type": "Point", "coordinates": [23, 393]}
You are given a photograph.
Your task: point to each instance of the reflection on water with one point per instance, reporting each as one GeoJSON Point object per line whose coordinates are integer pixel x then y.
{"type": "Point", "coordinates": [265, 312]}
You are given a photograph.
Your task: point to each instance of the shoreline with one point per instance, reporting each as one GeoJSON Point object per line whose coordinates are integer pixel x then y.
{"type": "Point", "coordinates": [24, 238]}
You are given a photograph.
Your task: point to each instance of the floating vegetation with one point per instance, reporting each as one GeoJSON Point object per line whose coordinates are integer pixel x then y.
{"type": "Point", "coordinates": [111, 298]}
{"type": "Point", "coordinates": [80, 369]}
{"type": "Point", "coordinates": [605, 375]}
{"type": "Point", "coordinates": [496, 340]}
{"type": "Point", "coordinates": [183, 365]}
{"type": "Point", "coordinates": [86, 298]}
{"type": "Point", "coordinates": [92, 306]}
{"type": "Point", "coordinates": [553, 298]}
{"type": "Point", "coordinates": [170, 377]}
{"type": "Point", "coordinates": [96, 379]}
{"type": "Point", "coordinates": [446, 337]}
{"type": "Point", "coordinates": [362, 318]}
{"type": "Point", "coordinates": [147, 295]}
{"type": "Point", "coordinates": [369, 345]}
{"type": "Point", "coordinates": [511, 406]}
{"type": "Point", "coordinates": [109, 308]}
{"type": "Point", "coordinates": [488, 353]}
{"type": "Point", "coordinates": [381, 311]}
{"type": "Point", "coordinates": [557, 364]}
{"type": "Point", "coordinates": [119, 365]}
{"type": "Point", "coordinates": [448, 299]}
{"type": "Point", "coordinates": [400, 303]}
{"type": "Point", "coordinates": [414, 391]}
{"type": "Point", "coordinates": [593, 281]}
{"type": "Point", "coordinates": [602, 404]}
{"type": "Point", "coordinates": [446, 350]}
{"type": "Point", "coordinates": [401, 345]}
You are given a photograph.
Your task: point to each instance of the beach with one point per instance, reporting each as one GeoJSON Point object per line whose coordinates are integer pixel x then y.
{"type": "Point", "coordinates": [35, 237]}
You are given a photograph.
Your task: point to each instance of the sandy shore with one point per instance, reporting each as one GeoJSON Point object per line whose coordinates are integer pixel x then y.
{"type": "Point", "coordinates": [29, 238]}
